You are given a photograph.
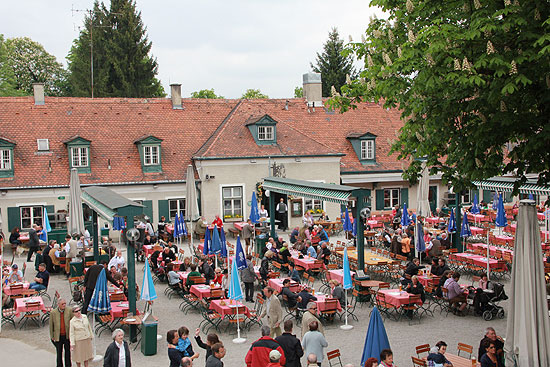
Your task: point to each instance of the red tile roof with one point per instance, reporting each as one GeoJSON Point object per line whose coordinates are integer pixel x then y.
{"type": "Point", "coordinates": [203, 129]}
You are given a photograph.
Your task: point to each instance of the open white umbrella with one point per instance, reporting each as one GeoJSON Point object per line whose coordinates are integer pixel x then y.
{"type": "Point", "coordinates": [191, 205]}
{"type": "Point", "coordinates": [76, 216]}
{"type": "Point", "coordinates": [528, 330]}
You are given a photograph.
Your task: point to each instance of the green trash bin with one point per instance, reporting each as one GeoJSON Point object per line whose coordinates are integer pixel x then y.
{"type": "Point", "coordinates": [149, 338]}
{"type": "Point", "coordinates": [260, 243]}
{"type": "Point", "coordinates": [77, 269]}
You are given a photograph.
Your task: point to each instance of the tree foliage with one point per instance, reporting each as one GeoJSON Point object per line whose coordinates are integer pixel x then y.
{"type": "Point", "coordinates": [24, 62]}
{"type": "Point", "coordinates": [254, 94]}
{"type": "Point", "coordinates": [299, 92]}
{"type": "Point", "coordinates": [206, 93]}
{"type": "Point", "coordinates": [472, 80]}
{"type": "Point", "coordinates": [122, 64]}
{"type": "Point", "coordinates": [334, 65]}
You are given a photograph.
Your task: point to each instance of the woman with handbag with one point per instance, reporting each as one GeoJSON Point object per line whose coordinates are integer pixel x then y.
{"type": "Point", "coordinates": [81, 335]}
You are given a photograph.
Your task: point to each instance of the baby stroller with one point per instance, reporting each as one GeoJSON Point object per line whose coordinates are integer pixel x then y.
{"type": "Point", "coordinates": [488, 306]}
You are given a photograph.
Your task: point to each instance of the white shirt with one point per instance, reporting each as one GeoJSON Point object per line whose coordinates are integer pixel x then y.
{"type": "Point", "coordinates": [149, 229]}
{"type": "Point", "coordinates": [117, 262]}
{"type": "Point", "coordinates": [67, 247]}
{"type": "Point", "coordinates": [263, 213]}
{"type": "Point", "coordinates": [121, 354]}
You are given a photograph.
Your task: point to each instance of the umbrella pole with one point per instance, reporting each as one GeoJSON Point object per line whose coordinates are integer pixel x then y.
{"type": "Point", "coordinates": [346, 326]}
{"type": "Point", "coordinates": [488, 267]}
{"type": "Point", "coordinates": [97, 357]}
{"type": "Point", "coordinates": [238, 339]}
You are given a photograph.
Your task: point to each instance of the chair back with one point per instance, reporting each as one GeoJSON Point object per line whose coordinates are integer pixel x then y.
{"type": "Point", "coordinates": [465, 348]}
{"type": "Point", "coordinates": [417, 362]}
{"type": "Point", "coordinates": [424, 348]}
{"type": "Point", "coordinates": [332, 356]}
{"type": "Point", "coordinates": [197, 280]}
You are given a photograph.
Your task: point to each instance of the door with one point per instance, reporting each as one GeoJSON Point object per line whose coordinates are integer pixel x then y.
{"type": "Point", "coordinates": [432, 198]}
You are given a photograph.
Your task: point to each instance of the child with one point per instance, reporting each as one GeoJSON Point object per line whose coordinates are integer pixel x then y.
{"type": "Point", "coordinates": [211, 339]}
{"type": "Point", "coordinates": [184, 343]}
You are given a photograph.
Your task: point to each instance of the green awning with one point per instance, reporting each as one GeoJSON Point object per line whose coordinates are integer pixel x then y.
{"type": "Point", "coordinates": [105, 202]}
{"type": "Point", "coordinates": [98, 207]}
{"type": "Point", "coordinates": [507, 186]}
{"type": "Point", "coordinates": [313, 190]}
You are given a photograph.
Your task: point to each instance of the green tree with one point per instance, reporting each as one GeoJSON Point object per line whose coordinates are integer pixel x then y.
{"type": "Point", "coordinates": [26, 62]}
{"type": "Point", "coordinates": [472, 82]}
{"type": "Point", "coordinates": [122, 64]}
{"type": "Point", "coordinates": [254, 94]}
{"type": "Point", "coordinates": [298, 92]}
{"type": "Point", "coordinates": [335, 66]}
{"type": "Point", "coordinates": [206, 93]}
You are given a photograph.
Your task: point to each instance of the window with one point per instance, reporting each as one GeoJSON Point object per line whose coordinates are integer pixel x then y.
{"type": "Point", "coordinates": [5, 159]}
{"type": "Point", "coordinates": [30, 215]}
{"type": "Point", "coordinates": [232, 202]}
{"type": "Point", "coordinates": [150, 155]}
{"type": "Point", "coordinates": [176, 206]}
{"type": "Point", "coordinates": [265, 132]}
{"type": "Point", "coordinates": [391, 197]}
{"type": "Point", "coordinates": [367, 149]}
{"type": "Point", "coordinates": [313, 204]}
{"type": "Point", "coordinates": [43, 144]}
{"type": "Point", "coordinates": [79, 157]}
{"type": "Point", "coordinates": [466, 197]}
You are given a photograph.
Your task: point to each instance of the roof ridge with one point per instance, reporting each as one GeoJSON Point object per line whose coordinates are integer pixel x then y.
{"type": "Point", "coordinates": [212, 139]}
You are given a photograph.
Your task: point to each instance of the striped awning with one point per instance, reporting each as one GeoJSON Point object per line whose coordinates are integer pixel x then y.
{"type": "Point", "coordinates": [505, 186]}
{"type": "Point", "coordinates": [312, 190]}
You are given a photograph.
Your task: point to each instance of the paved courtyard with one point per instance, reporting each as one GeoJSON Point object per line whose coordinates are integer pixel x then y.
{"type": "Point", "coordinates": [33, 343]}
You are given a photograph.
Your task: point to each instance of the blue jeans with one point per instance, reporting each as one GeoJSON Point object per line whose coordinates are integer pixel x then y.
{"type": "Point", "coordinates": [37, 286]}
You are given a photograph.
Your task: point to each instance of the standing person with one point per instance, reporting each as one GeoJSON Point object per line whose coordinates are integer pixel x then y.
{"type": "Point", "coordinates": [117, 353]}
{"type": "Point", "coordinates": [41, 279]}
{"type": "Point", "coordinates": [282, 211]}
{"type": "Point", "coordinates": [218, 352]}
{"type": "Point", "coordinates": [248, 276]}
{"type": "Point", "coordinates": [314, 342]}
{"type": "Point", "coordinates": [491, 335]}
{"type": "Point", "coordinates": [117, 261]}
{"type": "Point", "coordinates": [211, 339]}
{"type": "Point", "coordinates": [291, 346]}
{"type": "Point", "coordinates": [275, 359]}
{"type": "Point", "coordinates": [386, 358]}
{"type": "Point", "coordinates": [60, 319]}
{"type": "Point", "coordinates": [34, 242]}
{"type": "Point", "coordinates": [90, 279]}
{"type": "Point", "coordinates": [273, 311]}
{"type": "Point", "coordinates": [71, 251]}
{"type": "Point", "coordinates": [184, 344]}
{"type": "Point", "coordinates": [174, 355]}
{"type": "Point", "coordinates": [309, 317]}
{"type": "Point", "coordinates": [258, 354]}
{"type": "Point", "coordinates": [248, 231]}
{"type": "Point", "coordinates": [80, 335]}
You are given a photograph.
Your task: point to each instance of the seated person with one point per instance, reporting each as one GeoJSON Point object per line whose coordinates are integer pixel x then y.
{"type": "Point", "coordinates": [310, 250]}
{"type": "Point", "coordinates": [264, 265]}
{"type": "Point", "coordinates": [293, 273]}
{"type": "Point", "coordinates": [441, 267]}
{"type": "Point", "coordinates": [446, 275]}
{"type": "Point", "coordinates": [193, 273]}
{"type": "Point", "coordinates": [172, 247]}
{"type": "Point", "coordinates": [206, 269]}
{"type": "Point", "coordinates": [15, 275]}
{"type": "Point", "coordinates": [434, 266]}
{"type": "Point", "coordinates": [291, 297]}
{"type": "Point", "coordinates": [322, 234]}
{"type": "Point", "coordinates": [117, 261]}
{"type": "Point", "coordinates": [200, 228]}
{"type": "Point", "coordinates": [54, 256]}
{"type": "Point", "coordinates": [412, 269]}
{"type": "Point", "coordinates": [304, 297]}
{"type": "Point", "coordinates": [154, 259]}
{"type": "Point", "coordinates": [456, 295]}
{"type": "Point", "coordinates": [186, 266]}
{"type": "Point", "coordinates": [14, 236]}
{"type": "Point", "coordinates": [491, 336]}
{"type": "Point", "coordinates": [284, 253]}
{"type": "Point", "coordinates": [174, 279]}
{"type": "Point", "coordinates": [219, 276]}
{"type": "Point", "coordinates": [437, 354]}
{"type": "Point", "coordinates": [41, 279]}
{"type": "Point", "coordinates": [415, 287]}
{"type": "Point", "coordinates": [490, 357]}
{"type": "Point", "coordinates": [445, 241]}
{"type": "Point", "coordinates": [167, 255]}
{"type": "Point", "coordinates": [294, 235]}
{"type": "Point", "coordinates": [337, 291]}
{"type": "Point", "coordinates": [324, 253]}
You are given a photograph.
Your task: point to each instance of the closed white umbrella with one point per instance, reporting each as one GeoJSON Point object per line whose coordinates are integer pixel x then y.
{"type": "Point", "coordinates": [528, 330]}
{"type": "Point", "coordinates": [76, 216]}
{"type": "Point", "coordinates": [422, 203]}
{"type": "Point", "coordinates": [191, 205]}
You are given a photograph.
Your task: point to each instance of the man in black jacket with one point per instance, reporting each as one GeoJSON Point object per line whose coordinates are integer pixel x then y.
{"type": "Point", "coordinates": [290, 296]}
{"type": "Point", "coordinates": [34, 243]}
{"type": "Point", "coordinates": [291, 346]}
{"type": "Point", "coordinates": [90, 279]}
{"type": "Point", "coordinates": [206, 269]}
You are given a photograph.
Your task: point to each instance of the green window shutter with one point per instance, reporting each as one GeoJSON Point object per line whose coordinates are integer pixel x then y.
{"type": "Point", "coordinates": [404, 196]}
{"type": "Point", "coordinates": [379, 199]}
{"type": "Point", "coordinates": [148, 210]}
{"type": "Point", "coordinates": [163, 209]}
{"type": "Point", "coordinates": [14, 218]}
{"type": "Point", "coordinates": [487, 196]}
{"type": "Point", "coordinates": [507, 197]}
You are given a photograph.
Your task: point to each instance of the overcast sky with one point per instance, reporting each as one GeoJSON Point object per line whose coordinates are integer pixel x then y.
{"type": "Point", "coordinates": [228, 45]}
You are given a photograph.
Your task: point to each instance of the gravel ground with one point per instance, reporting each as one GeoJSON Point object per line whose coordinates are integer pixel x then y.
{"type": "Point", "coordinates": [403, 337]}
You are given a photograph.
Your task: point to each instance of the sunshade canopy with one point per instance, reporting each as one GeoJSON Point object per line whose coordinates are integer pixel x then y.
{"type": "Point", "coordinates": [105, 202]}
{"type": "Point", "coordinates": [507, 185]}
{"type": "Point", "coordinates": [313, 190]}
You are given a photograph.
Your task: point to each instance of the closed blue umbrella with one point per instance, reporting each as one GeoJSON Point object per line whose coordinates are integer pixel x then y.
{"type": "Point", "coordinates": [223, 243]}
{"type": "Point", "coordinates": [531, 197]}
{"type": "Point", "coordinates": [45, 226]}
{"type": "Point", "coordinates": [216, 245]}
{"type": "Point", "coordinates": [420, 244]}
{"type": "Point", "coordinates": [376, 339]}
{"type": "Point", "coordinates": [451, 228]}
{"type": "Point", "coordinates": [501, 213]}
{"type": "Point", "coordinates": [495, 201]}
{"type": "Point", "coordinates": [354, 228]}
{"type": "Point", "coordinates": [347, 273]}
{"type": "Point", "coordinates": [148, 292]}
{"type": "Point", "coordinates": [347, 223]}
{"type": "Point", "coordinates": [206, 245]}
{"type": "Point", "coordinates": [182, 230]}
{"type": "Point", "coordinates": [475, 206]}
{"type": "Point", "coordinates": [240, 259]}
{"type": "Point", "coordinates": [254, 212]}
{"type": "Point", "coordinates": [465, 229]}
{"type": "Point", "coordinates": [405, 216]}
{"type": "Point", "coordinates": [116, 224]}
{"type": "Point", "coordinates": [176, 232]}
{"type": "Point", "coordinates": [235, 293]}
{"type": "Point", "coordinates": [99, 303]}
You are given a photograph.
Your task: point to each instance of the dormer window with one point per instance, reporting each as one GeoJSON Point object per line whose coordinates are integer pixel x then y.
{"type": "Point", "coordinates": [79, 154]}
{"type": "Point", "coordinates": [5, 159]}
{"type": "Point", "coordinates": [150, 153]}
{"type": "Point", "coordinates": [263, 129]}
{"type": "Point", "coordinates": [364, 145]}
{"type": "Point", "coordinates": [265, 132]}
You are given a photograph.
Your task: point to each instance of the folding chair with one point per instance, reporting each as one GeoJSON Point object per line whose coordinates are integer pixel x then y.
{"type": "Point", "coordinates": [332, 356]}
{"type": "Point", "coordinates": [424, 348]}
{"type": "Point", "coordinates": [417, 362]}
{"type": "Point", "coordinates": [466, 349]}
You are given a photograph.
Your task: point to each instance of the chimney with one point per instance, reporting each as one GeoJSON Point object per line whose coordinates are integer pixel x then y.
{"type": "Point", "coordinates": [313, 89]}
{"type": "Point", "coordinates": [38, 93]}
{"type": "Point", "coordinates": [175, 93]}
